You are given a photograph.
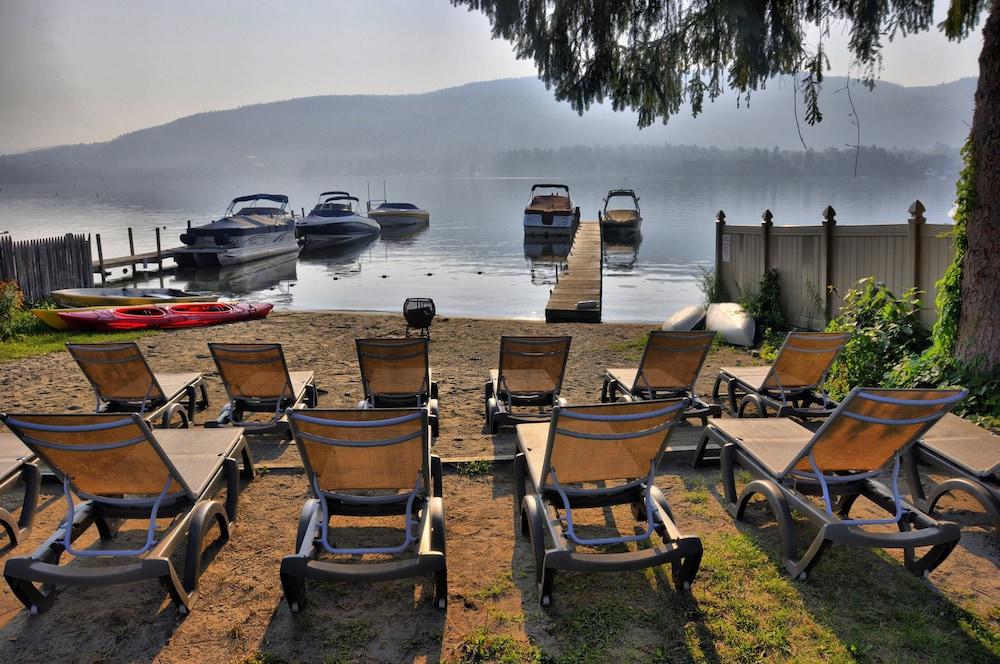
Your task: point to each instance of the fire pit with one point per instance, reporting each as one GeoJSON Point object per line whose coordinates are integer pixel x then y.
{"type": "Point", "coordinates": [418, 312]}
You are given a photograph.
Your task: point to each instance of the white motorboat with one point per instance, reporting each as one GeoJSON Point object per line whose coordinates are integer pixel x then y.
{"type": "Point", "coordinates": [335, 220]}
{"type": "Point", "coordinates": [550, 212]}
{"type": "Point", "coordinates": [243, 234]}
{"type": "Point", "coordinates": [392, 215]}
{"type": "Point", "coordinates": [621, 218]}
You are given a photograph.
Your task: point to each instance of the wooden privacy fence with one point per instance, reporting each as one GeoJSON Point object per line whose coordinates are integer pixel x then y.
{"type": "Point", "coordinates": [42, 266]}
{"type": "Point", "coordinates": [817, 265]}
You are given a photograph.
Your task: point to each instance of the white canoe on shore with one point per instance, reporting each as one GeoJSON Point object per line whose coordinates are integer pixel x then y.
{"type": "Point", "coordinates": [733, 324]}
{"type": "Point", "coordinates": [685, 320]}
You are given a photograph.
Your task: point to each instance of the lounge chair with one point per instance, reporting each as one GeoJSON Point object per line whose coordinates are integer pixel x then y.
{"type": "Point", "coordinates": [17, 465]}
{"type": "Point", "coordinates": [968, 455]}
{"type": "Point", "coordinates": [847, 457]}
{"type": "Point", "coordinates": [122, 470]}
{"type": "Point", "coordinates": [257, 380]}
{"type": "Point", "coordinates": [598, 443]}
{"type": "Point", "coordinates": [124, 383]}
{"type": "Point", "coordinates": [791, 387]}
{"type": "Point", "coordinates": [349, 455]}
{"type": "Point", "coordinates": [530, 374]}
{"type": "Point", "coordinates": [395, 373]}
{"type": "Point", "coordinates": [670, 364]}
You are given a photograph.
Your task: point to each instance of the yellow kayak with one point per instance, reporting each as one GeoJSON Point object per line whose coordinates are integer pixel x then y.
{"type": "Point", "coordinates": [51, 316]}
{"type": "Point", "coordinates": [122, 297]}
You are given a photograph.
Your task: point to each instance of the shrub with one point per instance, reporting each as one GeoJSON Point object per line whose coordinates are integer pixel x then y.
{"type": "Point", "coordinates": [936, 369]}
{"type": "Point", "coordinates": [885, 330]}
{"type": "Point", "coordinates": [764, 304]}
{"type": "Point", "coordinates": [14, 320]}
{"type": "Point", "coordinates": [708, 284]}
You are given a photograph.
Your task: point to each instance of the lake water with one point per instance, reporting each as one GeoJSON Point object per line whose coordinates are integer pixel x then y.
{"type": "Point", "coordinates": [472, 259]}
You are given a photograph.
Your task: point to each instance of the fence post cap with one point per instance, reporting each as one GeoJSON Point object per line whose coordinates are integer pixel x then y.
{"type": "Point", "coordinates": [720, 217]}
{"type": "Point", "coordinates": [829, 215]}
{"type": "Point", "coordinates": [917, 210]}
{"type": "Point", "coordinates": [766, 218]}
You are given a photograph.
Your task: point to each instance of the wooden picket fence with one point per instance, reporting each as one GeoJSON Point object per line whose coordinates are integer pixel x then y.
{"type": "Point", "coordinates": [44, 265]}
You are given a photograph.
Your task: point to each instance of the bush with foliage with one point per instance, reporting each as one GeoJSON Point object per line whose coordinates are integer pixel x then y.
{"type": "Point", "coordinates": [14, 320]}
{"type": "Point", "coordinates": [936, 366]}
{"type": "Point", "coordinates": [710, 287]}
{"type": "Point", "coordinates": [764, 305]}
{"type": "Point", "coordinates": [885, 330]}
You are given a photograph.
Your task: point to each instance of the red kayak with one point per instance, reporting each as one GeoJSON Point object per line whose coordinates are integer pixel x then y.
{"type": "Point", "coordinates": [164, 317]}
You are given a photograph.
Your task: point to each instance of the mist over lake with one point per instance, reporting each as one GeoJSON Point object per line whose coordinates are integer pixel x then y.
{"type": "Point", "coordinates": [474, 248]}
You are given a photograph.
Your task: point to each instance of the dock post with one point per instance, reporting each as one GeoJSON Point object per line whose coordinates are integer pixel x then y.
{"type": "Point", "coordinates": [100, 258]}
{"type": "Point", "coordinates": [829, 221]}
{"type": "Point", "coordinates": [131, 249]}
{"type": "Point", "coordinates": [159, 256]}
{"type": "Point", "coordinates": [189, 224]}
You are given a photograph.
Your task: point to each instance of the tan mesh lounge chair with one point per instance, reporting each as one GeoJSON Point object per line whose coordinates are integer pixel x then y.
{"type": "Point", "coordinates": [670, 364]}
{"type": "Point", "coordinates": [793, 385]}
{"type": "Point", "coordinates": [968, 455]}
{"type": "Point", "coordinates": [122, 470]}
{"type": "Point", "coordinates": [598, 443]}
{"type": "Point", "coordinates": [349, 455]}
{"type": "Point", "coordinates": [257, 380]}
{"type": "Point", "coordinates": [124, 383]}
{"type": "Point", "coordinates": [847, 457]}
{"type": "Point", "coordinates": [530, 375]}
{"type": "Point", "coordinates": [17, 465]}
{"type": "Point", "coordinates": [395, 373]}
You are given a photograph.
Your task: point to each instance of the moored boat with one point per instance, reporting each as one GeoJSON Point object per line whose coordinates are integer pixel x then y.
{"type": "Point", "coordinates": [390, 215]}
{"type": "Point", "coordinates": [244, 233]}
{"type": "Point", "coordinates": [164, 317]}
{"type": "Point", "coordinates": [335, 219]}
{"type": "Point", "coordinates": [120, 297]}
{"type": "Point", "coordinates": [621, 212]}
{"type": "Point", "coordinates": [550, 212]}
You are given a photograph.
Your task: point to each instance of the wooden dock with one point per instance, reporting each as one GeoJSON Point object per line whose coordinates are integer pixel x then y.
{"type": "Point", "coordinates": [580, 284]}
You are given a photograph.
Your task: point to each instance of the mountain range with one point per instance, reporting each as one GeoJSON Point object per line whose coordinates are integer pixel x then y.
{"type": "Point", "coordinates": [468, 129]}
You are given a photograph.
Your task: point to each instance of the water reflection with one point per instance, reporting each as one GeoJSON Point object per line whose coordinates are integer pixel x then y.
{"type": "Point", "coordinates": [343, 260]}
{"type": "Point", "coordinates": [241, 279]}
{"type": "Point", "coordinates": [621, 253]}
{"type": "Point", "coordinates": [403, 235]}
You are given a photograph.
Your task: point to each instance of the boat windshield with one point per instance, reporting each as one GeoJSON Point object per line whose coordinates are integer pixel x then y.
{"type": "Point", "coordinates": [254, 209]}
{"type": "Point", "coordinates": [397, 206]}
{"type": "Point", "coordinates": [622, 200]}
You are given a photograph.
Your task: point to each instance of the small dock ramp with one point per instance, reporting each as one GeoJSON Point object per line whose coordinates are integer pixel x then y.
{"type": "Point", "coordinates": [576, 297]}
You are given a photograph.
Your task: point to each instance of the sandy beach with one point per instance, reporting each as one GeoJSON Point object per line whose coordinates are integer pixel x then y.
{"type": "Point", "coordinates": [240, 614]}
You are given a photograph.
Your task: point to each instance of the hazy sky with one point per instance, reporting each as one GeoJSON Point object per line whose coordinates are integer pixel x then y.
{"type": "Point", "coordinates": [88, 70]}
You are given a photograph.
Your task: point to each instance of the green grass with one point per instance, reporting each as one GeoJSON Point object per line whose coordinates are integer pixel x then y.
{"type": "Point", "coordinates": [485, 646]}
{"type": "Point", "coordinates": [348, 639]}
{"type": "Point", "coordinates": [496, 588]}
{"type": "Point", "coordinates": [46, 340]}
{"type": "Point", "coordinates": [477, 468]}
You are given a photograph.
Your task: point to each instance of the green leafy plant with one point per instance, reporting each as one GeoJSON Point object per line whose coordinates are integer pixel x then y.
{"type": "Point", "coordinates": [14, 320]}
{"type": "Point", "coordinates": [949, 296]}
{"type": "Point", "coordinates": [709, 285]}
{"type": "Point", "coordinates": [764, 305]}
{"type": "Point", "coordinates": [885, 330]}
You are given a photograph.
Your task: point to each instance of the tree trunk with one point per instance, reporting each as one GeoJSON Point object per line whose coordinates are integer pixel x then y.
{"type": "Point", "coordinates": [979, 327]}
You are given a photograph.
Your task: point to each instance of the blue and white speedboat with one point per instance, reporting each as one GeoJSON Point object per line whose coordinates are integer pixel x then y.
{"type": "Point", "coordinates": [334, 220]}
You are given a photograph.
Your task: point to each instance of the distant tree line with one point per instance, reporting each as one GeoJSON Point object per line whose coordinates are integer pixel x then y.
{"type": "Point", "coordinates": [673, 160]}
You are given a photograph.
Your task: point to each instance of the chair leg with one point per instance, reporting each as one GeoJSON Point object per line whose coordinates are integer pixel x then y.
{"type": "Point", "coordinates": [533, 514]}
{"type": "Point", "coordinates": [982, 495]}
{"type": "Point", "coordinates": [520, 475]}
{"type": "Point", "coordinates": [727, 459]}
{"type": "Point", "coordinates": [439, 543]}
{"type": "Point", "coordinates": [201, 522]}
{"type": "Point", "coordinates": [783, 516]}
